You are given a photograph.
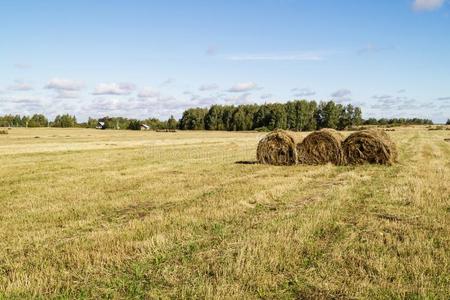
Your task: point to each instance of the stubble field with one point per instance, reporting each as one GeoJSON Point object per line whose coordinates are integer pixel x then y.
{"type": "Point", "coordinates": [120, 214]}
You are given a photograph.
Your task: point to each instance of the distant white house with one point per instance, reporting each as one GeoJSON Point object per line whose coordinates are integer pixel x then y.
{"type": "Point", "coordinates": [145, 127]}
{"type": "Point", "coordinates": [100, 125]}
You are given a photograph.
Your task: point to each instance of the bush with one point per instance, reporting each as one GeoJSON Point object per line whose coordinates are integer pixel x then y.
{"type": "Point", "coordinates": [4, 131]}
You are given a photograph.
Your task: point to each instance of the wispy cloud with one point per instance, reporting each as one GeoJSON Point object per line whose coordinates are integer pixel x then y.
{"type": "Point", "coordinates": [168, 81]}
{"type": "Point", "coordinates": [389, 102]}
{"type": "Point", "coordinates": [208, 87]}
{"type": "Point", "coordinates": [243, 87]}
{"type": "Point", "coordinates": [148, 93]}
{"type": "Point", "coordinates": [382, 97]}
{"type": "Point", "coordinates": [297, 56]}
{"type": "Point", "coordinates": [22, 66]}
{"type": "Point", "coordinates": [114, 89]}
{"type": "Point", "coordinates": [427, 5]}
{"type": "Point", "coordinates": [20, 85]}
{"type": "Point", "coordinates": [444, 99]}
{"type": "Point", "coordinates": [341, 93]}
{"type": "Point", "coordinates": [63, 94]}
{"type": "Point", "coordinates": [239, 99]}
{"type": "Point", "coordinates": [303, 92]}
{"type": "Point", "coordinates": [266, 96]}
{"type": "Point", "coordinates": [64, 84]}
{"type": "Point", "coordinates": [372, 48]}
{"type": "Point", "coordinates": [24, 104]}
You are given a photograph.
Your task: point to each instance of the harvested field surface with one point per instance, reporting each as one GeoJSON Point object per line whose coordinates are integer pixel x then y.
{"type": "Point", "coordinates": [121, 214]}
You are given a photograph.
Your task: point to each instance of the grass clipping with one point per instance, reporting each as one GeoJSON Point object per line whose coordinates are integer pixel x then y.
{"type": "Point", "coordinates": [277, 148]}
{"type": "Point", "coordinates": [321, 147]}
{"type": "Point", "coordinates": [370, 146]}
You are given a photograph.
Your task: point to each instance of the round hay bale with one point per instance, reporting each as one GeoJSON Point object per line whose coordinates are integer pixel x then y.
{"type": "Point", "coordinates": [369, 146]}
{"type": "Point", "coordinates": [277, 148]}
{"type": "Point", "coordinates": [321, 147]}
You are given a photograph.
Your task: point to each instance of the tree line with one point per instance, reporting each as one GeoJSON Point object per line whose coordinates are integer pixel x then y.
{"type": "Point", "coordinates": [398, 121]}
{"type": "Point", "coordinates": [298, 115]}
{"type": "Point", "coordinates": [131, 124]}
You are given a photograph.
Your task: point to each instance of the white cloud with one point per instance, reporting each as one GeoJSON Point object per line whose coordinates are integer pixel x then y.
{"type": "Point", "coordinates": [208, 87]}
{"type": "Point", "coordinates": [22, 66]}
{"type": "Point", "coordinates": [239, 99]}
{"type": "Point", "coordinates": [148, 93]}
{"type": "Point", "coordinates": [388, 102]}
{"type": "Point", "coordinates": [22, 104]}
{"type": "Point", "coordinates": [168, 81]}
{"type": "Point", "coordinates": [299, 56]}
{"type": "Point", "coordinates": [303, 92]}
{"type": "Point", "coordinates": [64, 84]}
{"type": "Point", "coordinates": [114, 89]}
{"type": "Point", "coordinates": [104, 106]}
{"type": "Point", "coordinates": [427, 5]}
{"type": "Point", "coordinates": [341, 93]}
{"type": "Point", "coordinates": [243, 87]}
{"type": "Point", "coordinates": [20, 85]}
{"type": "Point", "coordinates": [266, 96]}
{"type": "Point", "coordinates": [64, 94]}
{"type": "Point", "coordinates": [206, 101]}
{"type": "Point", "coordinates": [382, 97]}
{"type": "Point", "coordinates": [371, 48]}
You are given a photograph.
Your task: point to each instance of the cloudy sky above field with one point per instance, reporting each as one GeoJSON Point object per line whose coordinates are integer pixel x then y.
{"type": "Point", "coordinates": [155, 58]}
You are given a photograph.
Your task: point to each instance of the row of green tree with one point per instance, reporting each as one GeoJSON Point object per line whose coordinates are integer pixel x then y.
{"type": "Point", "coordinates": [37, 120]}
{"type": "Point", "coordinates": [298, 115]}
{"type": "Point", "coordinates": [67, 121]}
{"type": "Point", "coordinates": [400, 121]}
{"type": "Point", "coordinates": [132, 124]}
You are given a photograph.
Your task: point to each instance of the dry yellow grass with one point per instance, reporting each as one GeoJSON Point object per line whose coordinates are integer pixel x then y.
{"type": "Point", "coordinates": [106, 214]}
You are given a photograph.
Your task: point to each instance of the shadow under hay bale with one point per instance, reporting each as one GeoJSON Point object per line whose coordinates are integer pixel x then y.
{"type": "Point", "coordinates": [369, 146]}
{"type": "Point", "coordinates": [246, 162]}
{"type": "Point", "coordinates": [277, 148]}
{"type": "Point", "coordinates": [321, 147]}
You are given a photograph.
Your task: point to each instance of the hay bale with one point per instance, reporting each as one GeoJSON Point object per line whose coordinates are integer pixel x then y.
{"type": "Point", "coordinates": [369, 146]}
{"type": "Point", "coordinates": [321, 147]}
{"type": "Point", "coordinates": [277, 148]}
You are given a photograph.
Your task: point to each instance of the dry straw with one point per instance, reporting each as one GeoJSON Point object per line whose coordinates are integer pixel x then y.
{"type": "Point", "coordinates": [369, 146]}
{"type": "Point", "coordinates": [277, 148]}
{"type": "Point", "coordinates": [321, 147]}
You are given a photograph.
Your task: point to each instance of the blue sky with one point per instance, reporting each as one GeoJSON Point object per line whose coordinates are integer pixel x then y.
{"type": "Point", "coordinates": [155, 58]}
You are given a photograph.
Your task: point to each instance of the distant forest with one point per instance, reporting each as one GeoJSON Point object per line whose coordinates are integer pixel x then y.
{"type": "Point", "coordinates": [299, 115]}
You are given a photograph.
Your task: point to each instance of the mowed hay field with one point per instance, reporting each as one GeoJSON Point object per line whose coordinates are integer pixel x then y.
{"type": "Point", "coordinates": [120, 214]}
